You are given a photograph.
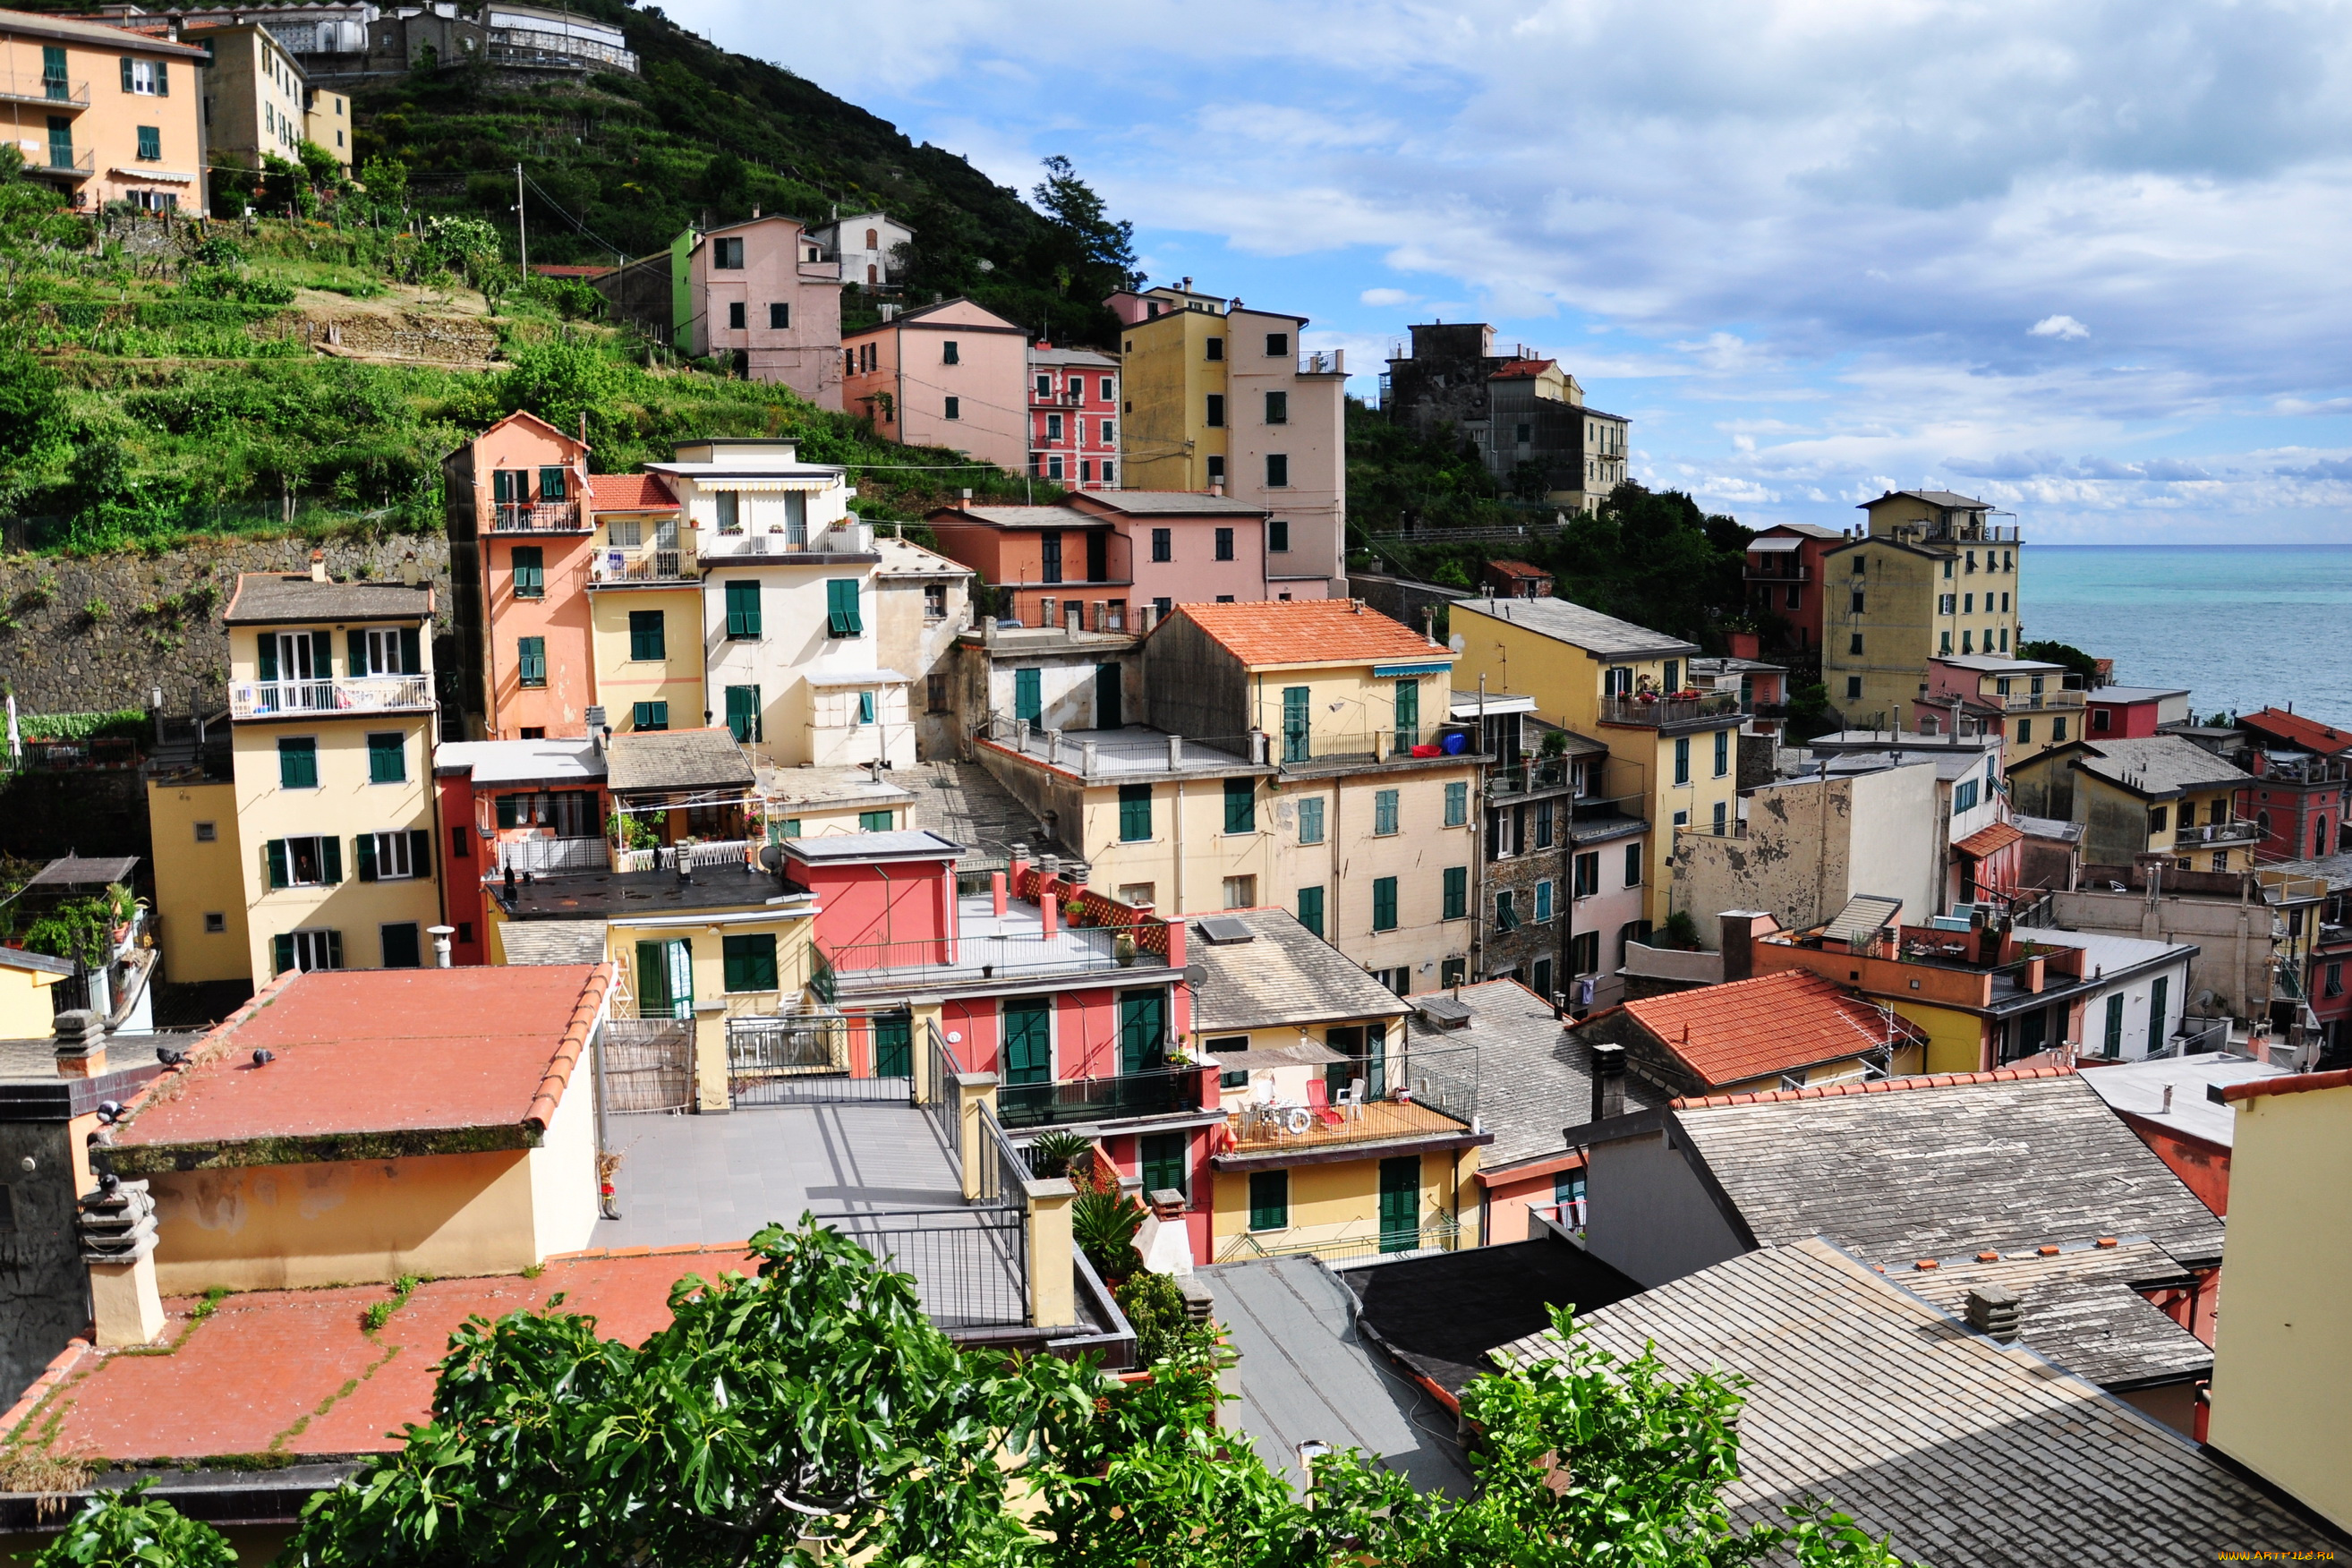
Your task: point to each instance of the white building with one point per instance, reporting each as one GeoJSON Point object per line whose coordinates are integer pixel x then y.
{"type": "Point", "coordinates": [864, 245]}
{"type": "Point", "coordinates": [792, 628]}
{"type": "Point", "coordinates": [2143, 989]}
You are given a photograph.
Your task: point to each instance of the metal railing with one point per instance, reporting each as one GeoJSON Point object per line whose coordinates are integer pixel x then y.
{"type": "Point", "coordinates": [383, 694]}
{"type": "Point", "coordinates": [552, 855]}
{"type": "Point", "coordinates": [537, 517]}
{"type": "Point", "coordinates": [648, 1064]}
{"type": "Point", "coordinates": [836, 538]}
{"type": "Point", "coordinates": [1085, 950]}
{"type": "Point", "coordinates": [716, 852]}
{"type": "Point", "coordinates": [2026, 701]}
{"type": "Point", "coordinates": [1444, 1080]}
{"type": "Point", "coordinates": [1323, 362]}
{"type": "Point", "coordinates": [1157, 1093]}
{"type": "Point", "coordinates": [1528, 774]}
{"type": "Point", "coordinates": [44, 88]}
{"type": "Point", "coordinates": [803, 1059]}
{"type": "Point", "coordinates": [970, 1266]}
{"type": "Point", "coordinates": [2194, 1035]}
{"type": "Point", "coordinates": [1652, 712]}
{"type": "Point", "coordinates": [57, 159]}
{"type": "Point", "coordinates": [1435, 1229]}
{"type": "Point", "coordinates": [1003, 1174]}
{"type": "Point", "coordinates": [2236, 831]}
{"type": "Point", "coordinates": [945, 1096]}
{"type": "Point", "coordinates": [616, 566]}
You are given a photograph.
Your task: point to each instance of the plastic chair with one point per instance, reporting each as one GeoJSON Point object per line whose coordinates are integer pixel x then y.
{"type": "Point", "coordinates": [1352, 1099]}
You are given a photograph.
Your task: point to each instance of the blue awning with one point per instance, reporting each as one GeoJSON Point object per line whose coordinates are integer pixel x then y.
{"type": "Point", "coordinates": [1433, 667]}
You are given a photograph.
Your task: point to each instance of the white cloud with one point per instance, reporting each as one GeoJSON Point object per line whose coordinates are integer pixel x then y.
{"type": "Point", "coordinates": [2062, 327]}
{"type": "Point", "coordinates": [1384, 297]}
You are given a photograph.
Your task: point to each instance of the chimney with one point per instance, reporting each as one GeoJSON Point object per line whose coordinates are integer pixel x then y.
{"type": "Point", "coordinates": [1608, 1081]}
{"type": "Point", "coordinates": [118, 1247]}
{"type": "Point", "coordinates": [441, 936]}
{"type": "Point", "coordinates": [1175, 752]}
{"type": "Point", "coordinates": [318, 566]}
{"type": "Point", "coordinates": [81, 1043]}
{"type": "Point", "coordinates": [1217, 487]}
{"type": "Point", "coordinates": [1048, 913]}
{"type": "Point", "coordinates": [1738, 930]}
{"type": "Point", "coordinates": [1995, 1312]}
{"type": "Point", "coordinates": [963, 502]}
{"type": "Point", "coordinates": [996, 898]}
{"type": "Point", "coordinates": [2165, 1109]}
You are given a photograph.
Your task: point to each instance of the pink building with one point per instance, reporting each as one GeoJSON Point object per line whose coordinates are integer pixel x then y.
{"type": "Point", "coordinates": [951, 375]}
{"type": "Point", "coordinates": [761, 292]}
{"type": "Point", "coordinates": [1186, 548]}
{"type": "Point", "coordinates": [1074, 417]}
{"type": "Point", "coordinates": [2132, 712]}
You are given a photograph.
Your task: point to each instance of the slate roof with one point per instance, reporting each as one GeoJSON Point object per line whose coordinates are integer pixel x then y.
{"type": "Point", "coordinates": [1933, 498]}
{"type": "Point", "coordinates": [1534, 1077]}
{"type": "Point", "coordinates": [2056, 830]}
{"type": "Point", "coordinates": [496, 763]}
{"type": "Point", "coordinates": [2081, 1309]}
{"type": "Point", "coordinates": [1441, 1314]}
{"type": "Point", "coordinates": [2158, 767]}
{"type": "Point", "coordinates": [1946, 1165]}
{"type": "Point", "coordinates": [676, 759]}
{"type": "Point", "coordinates": [1172, 503]}
{"type": "Point", "coordinates": [85, 871]}
{"type": "Point", "coordinates": [1310, 631]}
{"type": "Point", "coordinates": [630, 492]}
{"type": "Point", "coordinates": [277, 598]}
{"type": "Point", "coordinates": [903, 844]}
{"type": "Point", "coordinates": [1283, 974]}
{"type": "Point", "coordinates": [554, 942]}
{"type": "Point", "coordinates": [1869, 1396]}
{"type": "Point", "coordinates": [1772, 1024]}
{"type": "Point", "coordinates": [1591, 630]}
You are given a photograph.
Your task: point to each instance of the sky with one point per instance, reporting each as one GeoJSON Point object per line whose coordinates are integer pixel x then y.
{"type": "Point", "coordinates": [2086, 261]}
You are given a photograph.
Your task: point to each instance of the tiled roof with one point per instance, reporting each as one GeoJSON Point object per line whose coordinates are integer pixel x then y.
{"type": "Point", "coordinates": [1516, 569]}
{"type": "Point", "coordinates": [1534, 1077]}
{"type": "Point", "coordinates": [1943, 1165]}
{"type": "Point", "coordinates": [370, 1062]}
{"type": "Point", "coordinates": [1283, 974]}
{"type": "Point", "coordinates": [97, 35]}
{"type": "Point", "coordinates": [2303, 734]}
{"type": "Point", "coordinates": [630, 492]}
{"type": "Point", "coordinates": [326, 1386]}
{"type": "Point", "coordinates": [1310, 631]}
{"type": "Point", "coordinates": [676, 759]}
{"type": "Point", "coordinates": [1580, 627]}
{"type": "Point", "coordinates": [1864, 1395]}
{"type": "Point", "coordinates": [1774, 1023]}
{"type": "Point", "coordinates": [270, 598]}
{"type": "Point", "coordinates": [554, 942]}
{"type": "Point", "coordinates": [1990, 839]}
{"type": "Point", "coordinates": [1520, 369]}
{"type": "Point", "coordinates": [2295, 1083]}
{"type": "Point", "coordinates": [2159, 766]}
{"type": "Point", "coordinates": [85, 871]}
{"type": "Point", "coordinates": [1016, 517]}
{"type": "Point", "coordinates": [904, 558]}
{"type": "Point", "coordinates": [2082, 1308]}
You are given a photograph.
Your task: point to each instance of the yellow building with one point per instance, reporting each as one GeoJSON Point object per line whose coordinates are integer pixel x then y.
{"type": "Point", "coordinates": [27, 1011]}
{"type": "Point", "coordinates": [104, 114]}
{"type": "Point", "coordinates": [1933, 577]}
{"type": "Point", "coordinates": [1278, 768]}
{"type": "Point", "coordinates": [1674, 752]}
{"type": "Point", "coordinates": [2030, 704]}
{"type": "Point", "coordinates": [2283, 1353]}
{"type": "Point", "coordinates": [257, 96]}
{"type": "Point", "coordinates": [644, 597]}
{"type": "Point", "coordinates": [330, 700]}
{"type": "Point", "coordinates": [200, 877]}
{"type": "Point", "coordinates": [327, 122]}
{"type": "Point", "coordinates": [2161, 795]}
{"type": "Point", "coordinates": [811, 802]}
{"type": "Point", "coordinates": [1344, 1135]}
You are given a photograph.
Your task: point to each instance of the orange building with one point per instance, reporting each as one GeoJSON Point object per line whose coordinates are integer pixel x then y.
{"type": "Point", "coordinates": [106, 114]}
{"type": "Point", "coordinates": [521, 543]}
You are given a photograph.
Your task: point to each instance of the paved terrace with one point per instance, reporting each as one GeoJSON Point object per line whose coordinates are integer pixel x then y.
{"type": "Point", "coordinates": [990, 949]}
{"type": "Point", "coordinates": [1135, 753]}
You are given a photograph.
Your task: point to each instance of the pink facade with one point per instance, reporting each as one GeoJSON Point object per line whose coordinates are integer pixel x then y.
{"type": "Point", "coordinates": [461, 868]}
{"type": "Point", "coordinates": [1050, 565]}
{"type": "Point", "coordinates": [876, 913]}
{"type": "Point", "coordinates": [762, 292]}
{"type": "Point", "coordinates": [1074, 417]}
{"type": "Point", "coordinates": [1187, 548]}
{"type": "Point", "coordinates": [532, 522]}
{"type": "Point", "coordinates": [951, 375]}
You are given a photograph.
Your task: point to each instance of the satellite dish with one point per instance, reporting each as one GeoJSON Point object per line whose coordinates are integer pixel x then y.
{"type": "Point", "coordinates": [773, 858]}
{"type": "Point", "coordinates": [1457, 642]}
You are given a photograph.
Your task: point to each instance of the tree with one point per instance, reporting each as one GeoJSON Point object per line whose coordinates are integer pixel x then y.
{"type": "Point", "coordinates": [1098, 256]}
{"type": "Point", "coordinates": [130, 1529]}
{"type": "Point", "coordinates": [2076, 661]}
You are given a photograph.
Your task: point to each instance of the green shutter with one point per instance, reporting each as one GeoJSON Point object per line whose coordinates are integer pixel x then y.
{"type": "Point", "coordinates": [748, 961]}
{"type": "Point", "coordinates": [420, 852]}
{"type": "Point", "coordinates": [1269, 1200]}
{"type": "Point", "coordinates": [387, 758]}
{"type": "Point", "coordinates": [653, 981]}
{"type": "Point", "coordinates": [1384, 811]}
{"type": "Point", "coordinates": [529, 572]}
{"type": "Point", "coordinates": [1384, 903]}
{"type": "Point", "coordinates": [1457, 805]}
{"type": "Point", "coordinates": [1142, 1030]}
{"type": "Point", "coordinates": [647, 638]}
{"type": "Point", "coordinates": [363, 851]}
{"type": "Point", "coordinates": [1457, 892]}
{"type": "Point", "coordinates": [894, 1045]}
{"type": "Point", "coordinates": [1028, 1053]}
{"type": "Point", "coordinates": [865, 707]}
{"type": "Point", "coordinates": [331, 860]}
{"type": "Point", "coordinates": [162, 79]}
{"type": "Point", "coordinates": [322, 656]}
{"type": "Point", "coordinates": [1241, 806]}
{"type": "Point", "coordinates": [1028, 695]}
{"type": "Point", "coordinates": [841, 608]}
{"type": "Point", "coordinates": [2114, 1040]}
{"type": "Point", "coordinates": [282, 952]}
{"type": "Point", "coordinates": [266, 669]}
{"type": "Point", "coordinates": [1408, 714]}
{"type": "Point", "coordinates": [1295, 724]}
{"type": "Point", "coordinates": [743, 712]}
{"type": "Point", "coordinates": [126, 73]}
{"type": "Point", "coordinates": [356, 641]}
{"type": "Point", "coordinates": [274, 856]}
{"type": "Point", "coordinates": [1310, 909]}
{"type": "Point", "coordinates": [873, 821]}
{"type": "Point", "coordinates": [649, 716]}
{"type": "Point", "coordinates": [297, 763]}
{"type": "Point", "coordinates": [1134, 813]}
{"type": "Point", "coordinates": [1160, 1161]}
{"type": "Point", "coordinates": [552, 484]}
{"type": "Point", "coordinates": [531, 661]}
{"type": "Point", "coordinates": [412, 651]}
{"type": "Point", "coordinates": [1401, 1204]}
{"type": "Point", "coordinates": [743, 609]}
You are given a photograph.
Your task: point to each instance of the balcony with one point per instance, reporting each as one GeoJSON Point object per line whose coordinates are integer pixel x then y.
{"type": "Point", "coordinates": [63, 163]}
{"type": "Point", "coordinates": [1166, 1092]}
{"type": "Point", "coordinates": [1324, 361]}
{"type": "Point", "coordinates": [842, 538]}
{"type": "Point", "coordinates": [2216, 834]}
{"type": "Point", "coordinates": [623, 568]}
{"type": "Point", "coordinates": [1409, 1096]}
{"type": "Point", "coordinates": [1669, 713]}
{"type": "Point", "coordinates": [55, 92]}
{"type": "Point", "coordinates": [1529, 775]}
{"type": "Point", "coordinates": [2032, 701]}
{"type": "Point", "coordinates": [538, 517]}
{"type": "Point", "coordinates": [1955, 532]}
{"type": "Point", "coordinates": [736, 852]}
{"type": "Point", "coordinates": [304, 698]}
{"type": "Point", "coordinates": [1782, 570]}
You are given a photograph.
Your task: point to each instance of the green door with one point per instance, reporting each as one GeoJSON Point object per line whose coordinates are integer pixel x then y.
{"type": "Point", "coordinates": [1401, 1204]}
{"type": "Point", "coordinates": [664, 980]}
{"type": "Point", "coordinates": [1294, 700]}
{"type": "Point", "coordinates": [894, 1045]}
{"type": "Point", "coordinates": [1028, 1040]}
{"type": "Point", "coordinates": [1029, 695]}
{"type": "Point", "coordinates": [1106, 702]}
{"type": "Point", "coordinates": [1142, 1031]}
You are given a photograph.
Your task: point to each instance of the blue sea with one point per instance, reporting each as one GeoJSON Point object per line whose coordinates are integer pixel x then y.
{"type": "Point", "coordinates": [2240, 625]}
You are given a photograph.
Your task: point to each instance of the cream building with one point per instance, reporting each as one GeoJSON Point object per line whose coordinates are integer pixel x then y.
{"type": "Point", "coordinates": [330, 700]}
{"type": "Point", "coordinates": [258, 99]}
{"type": "Point", "coordinates": [1674, 752]}
{"type": "Point", "coordinates": [1933, 577]}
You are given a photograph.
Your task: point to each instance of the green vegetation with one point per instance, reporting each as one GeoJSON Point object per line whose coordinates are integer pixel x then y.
{"type": "Point", "coordinates": [812, 1414]}
{"type": "Point", "coordinates": [81, 928]}
{"type": "Point", "coordinates": [131, 1530]}
{"type": "Point", "coordinates": [2076, 661]}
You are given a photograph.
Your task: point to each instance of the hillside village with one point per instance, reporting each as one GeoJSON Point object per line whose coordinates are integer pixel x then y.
{"type": "Point", "coordinates": [1217, 888]}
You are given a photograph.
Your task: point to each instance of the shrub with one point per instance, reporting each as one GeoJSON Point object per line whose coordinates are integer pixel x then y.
{"type": "Point", "coordinates": [1051, 1154]}
{"type": "Point", "coordinates": [128, 1529]}
{"type": "Point", "coordinates": [1104, 1226]}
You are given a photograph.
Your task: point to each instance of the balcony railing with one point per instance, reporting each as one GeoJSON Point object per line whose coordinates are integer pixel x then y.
{"type": "Point", "coordinates": [282, 698]}
{"type": "Point", "coordinates": [620, 568]}
{"type": "Point", "coordinates": [1089, 950]}
{"type": "Point", "coordinates": [63, 160]}
{"type": "Point", "coordinates": [2237, 831]}
{"type": "Point", "coordinates": [536, 855]}
{"type": "Point", "coordinates": [1787, 573]}
{"type": "Point", "coordinates": [1657, 712]}
{"type": "Point", "coordinates": [852, 539]}
{"type": "Point", "coordinates": [1159, 1093]}
{"type": "Point", "coordinates": [1528, 774]}
{"type": "Point", "coordinates": [715, 852]}
{"type": "Point", "coordinates": [44, 88]}
{"type": "Point", "coordinates": [1323, 362]}
{"type": "Point", "coordinates": [2027, 702]}
{"type": "Point", "coordinates": [537, 517]}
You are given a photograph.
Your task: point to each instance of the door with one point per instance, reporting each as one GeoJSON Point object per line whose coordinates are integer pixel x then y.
{"type": "Point", "coordinates": [664, 980]}
{"type": "Point", "coordinates": [1107, 698]}
{"type": "Point", "coordinates": [1098, 555]}
{"type": "Point", "coordinates": [1349, 1041]}
{"type": "Point", "coordinates": [894, 1045]}
{"type": "Point", "coordinates": [1028, 695]}
{"type": "Point", "coordinates": [1401, 1204]}
{"type": "Point", "coordinates": [1294, 700]}
{"type": "Point", "coordinates": [1142, 1031]}
{"type": "Point", "coordinates": [1028, 1040]}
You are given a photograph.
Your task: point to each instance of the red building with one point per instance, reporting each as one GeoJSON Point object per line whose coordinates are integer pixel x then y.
{"type": "Point", "coordinates": [1784, 579]}
{"type": "Point", "coordinates": [2299, 802]}
{"type": "Point", "coordinates": [1073, 414]}
{"type": "Point", "coordinates": [2131, 712]}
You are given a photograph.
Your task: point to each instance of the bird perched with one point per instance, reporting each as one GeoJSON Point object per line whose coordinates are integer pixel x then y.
{"type": "Point", "coordinates": [170, 1057]}
{"type": "Point", "coordinates": [110, 1111]}
{"type": "Point", "coordinates": [263, 1056]}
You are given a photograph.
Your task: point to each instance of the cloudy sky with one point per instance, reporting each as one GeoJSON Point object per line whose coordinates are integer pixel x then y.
{"type": "Point", "coordinates": [2087, 261]}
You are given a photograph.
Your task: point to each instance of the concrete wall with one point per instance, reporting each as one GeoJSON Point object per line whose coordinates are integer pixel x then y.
{"type": "Point", "coordinates": [44, 1287]}
{"type": "Point", "coordinates": [2281, 1364]}
{"type": "Point", "coordinates": [803, 354]}
{"type": "Point", "coordinates": [1337, 1202]}
{"type": "Point", "coordinates": [989, 379]}
{"type": "Point", "coordinates": [676, 679]}
{"type": "Point", "coordinates": [1812, 844]}
{"type": "Point", "coordinates": [1647, 1214]}
{"type": "Point", "coordinates": [564, 1194]}
{"type": "Point", "coordinates": [2233, 940]}
{"type": "Point", "coordinates": [1312, 440]}
{"type": "Point", "coordinates": [1192, 686]}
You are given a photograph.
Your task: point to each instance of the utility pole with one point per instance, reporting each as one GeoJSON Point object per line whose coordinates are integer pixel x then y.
{"type": "Point", "coordinates": [522, 238]}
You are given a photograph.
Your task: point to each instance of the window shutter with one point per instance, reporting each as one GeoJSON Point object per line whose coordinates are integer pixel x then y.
{"type": "Point", "coordinates": [653, 981]}
{"type": "Point", "coordinates": [358, 642]}
{"type": "Point", "coordinates": [282, 952]}
{"type": "Point", "coordinates": [268, 662]}
{"type": "Point", "coordinates": [126, 73]}
{"type": "Point", "coordinates": [363, 851]}
{"type": "Point", "coordinates": [331, 860]}
{"type": "Point", "coordinates": [412, 651]}
{"type": "Point", "coordinates": [334, 945]}
{"type": "Point", "coordinates": [162, 79]}
{"type": "Point", "coordinates": [420, 852]}
{"type": "Point", "coordinates": [274, 855]}
{"type": "Point", "coordinates": [322, 656]}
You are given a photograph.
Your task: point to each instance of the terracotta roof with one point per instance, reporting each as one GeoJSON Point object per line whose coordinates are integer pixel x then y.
{"type": "Point", "coordinates": [371, 1063]}
{"type": "Point", "coordinates": [1516, 569]}
{"type": "Point", "coordinates": [2306, 734]}
{"type": "Point", "coordinates": [1876, 1086]}
{"type": "Point", "coordinates": [332, 1387]}
{"type": "Point", "coordinates": [1515, 369]}
{"type": "Point", "coordinates": [1989, 841]}
{"type": "Point", "coordinates": [630, 492]}
{"type": "Point", "coordinates": [569, 269]}
{"type": "Point", "coordinates": [1774, 1023]}
{"type": "Point", "coordinates": [2295, 1083]}
{"type": "Point", "coordinates": [1310, 631]}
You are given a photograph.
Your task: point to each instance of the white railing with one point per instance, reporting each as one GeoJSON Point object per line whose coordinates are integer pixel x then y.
{"type": "Point", "coordinates": [719, 852]}
{"type": "Point", "coordinates": [274, 698]}
{"type": "Point", "coordinates": [844, 538]}
{"type": "Point", "coordinates": [1322, 362]}
{"type": "Point", "coordinates": [2230, 832]}
{"type": "Point", "coordinates": [552, 855]}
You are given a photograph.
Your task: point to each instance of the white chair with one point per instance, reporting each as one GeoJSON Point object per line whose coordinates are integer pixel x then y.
{"type": "Point", "coordinates": [1350, 1102]}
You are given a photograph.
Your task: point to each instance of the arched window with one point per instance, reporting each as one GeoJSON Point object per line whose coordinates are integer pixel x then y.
{"type": "Point", "coordinates": [2319, 839]}
{"type": "Point", "coordinates": [873, 241]}
{"type": "Point", "coordinates": [2262, 821]}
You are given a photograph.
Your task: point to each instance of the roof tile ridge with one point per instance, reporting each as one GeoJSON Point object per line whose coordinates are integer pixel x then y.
{"type": "Point", "coordinates": [36, 1392]}
{"type": "Point", "coordinates": [586, 1008]}
{"type": "Point", "coordinates": [213, 1046]}
{"type": "Point", "coordinates": [2292, 1083]}
{"type": "Point", "coordinates": [1895, 1086]}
